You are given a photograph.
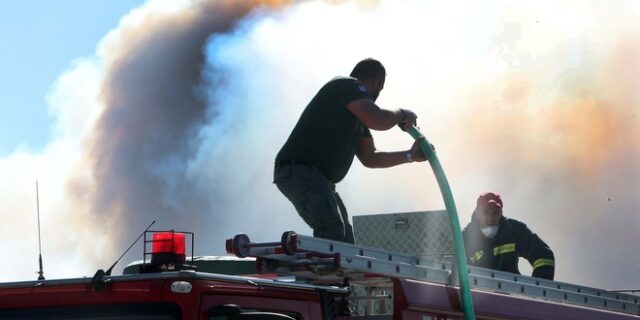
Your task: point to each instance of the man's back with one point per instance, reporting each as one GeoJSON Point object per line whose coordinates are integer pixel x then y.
{"type": "Point", "coordinates": [327, 134]}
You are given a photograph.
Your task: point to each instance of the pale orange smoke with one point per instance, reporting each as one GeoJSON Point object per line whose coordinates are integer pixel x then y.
{"type": "Point", "coordinates": [579, 131]}
{"type": "Point", "coordinates": [564, 150]}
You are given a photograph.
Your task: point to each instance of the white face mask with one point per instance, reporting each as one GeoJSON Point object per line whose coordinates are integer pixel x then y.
{"type": "Point", "coordinates": [490, 232]}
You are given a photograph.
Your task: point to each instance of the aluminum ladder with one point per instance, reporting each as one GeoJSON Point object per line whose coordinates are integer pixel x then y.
{"type": "Point", "coordinates": [326, 261]}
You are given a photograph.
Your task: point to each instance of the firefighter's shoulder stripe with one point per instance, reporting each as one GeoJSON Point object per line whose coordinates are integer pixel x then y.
{"type": "Point", "coordinates": [543, 262]}
{"type": "Point", "coordinates": [505, 248]}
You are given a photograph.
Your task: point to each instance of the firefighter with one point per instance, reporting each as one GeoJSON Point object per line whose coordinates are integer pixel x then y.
{"type": "Point", "coordinates": [496, 242]}
{"type": "Point", "coordinates": [333, 128]}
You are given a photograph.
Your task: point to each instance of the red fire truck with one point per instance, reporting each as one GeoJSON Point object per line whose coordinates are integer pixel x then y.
{"type": "Point", "coordinates": [306, 278]}
{"type": "Point", "coordinates": [301, 278]}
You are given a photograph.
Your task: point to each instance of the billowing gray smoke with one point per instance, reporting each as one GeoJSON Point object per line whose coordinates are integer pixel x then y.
{"type": "Point", "coordinates": [149, 132]}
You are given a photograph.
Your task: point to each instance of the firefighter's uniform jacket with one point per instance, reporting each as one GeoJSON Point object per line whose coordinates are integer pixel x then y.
{"type": "Point", "coordinates": [514, 240]}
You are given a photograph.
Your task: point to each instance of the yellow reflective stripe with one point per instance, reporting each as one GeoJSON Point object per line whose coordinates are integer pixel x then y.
{"type": "Point", "coordinates": [505, 248]}
{"type": "Point", "coordinates": [476, 257]}
{"type": "Point", "coordinates": [543, 262]}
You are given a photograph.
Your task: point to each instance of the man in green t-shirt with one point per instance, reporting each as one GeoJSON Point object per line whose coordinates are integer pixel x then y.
{"type": "Point", "coordinates": [333, 128]}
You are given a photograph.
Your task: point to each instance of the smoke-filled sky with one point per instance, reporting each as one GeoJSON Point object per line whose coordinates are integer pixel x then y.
{"type": "Point", "coordinates": [179, 111]}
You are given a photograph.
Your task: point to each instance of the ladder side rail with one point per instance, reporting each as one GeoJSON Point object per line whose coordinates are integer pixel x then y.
{"type": "Point", "coordinates": [349, 264]}
{"type": "Point", "coordinates": [600, 292]}
{"type": "Point", "coordinates": [395, 269]}
{"type": "Point", "coordinates": [360, 264]}
{"type": "Point", "coordinates": [551, 293]}
{"type": "Point", "coordinates": [445, 265]}
{"type": "Point", "coordinates": [622, 297]}
{"type": "Point", "coordinates": [308, 243]}
{"type": "Point", "coordinates": [285, 257]}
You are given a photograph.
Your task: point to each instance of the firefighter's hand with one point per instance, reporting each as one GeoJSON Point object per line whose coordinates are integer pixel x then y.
{"type": "Point", "coordinates": [408, 119]}
{"type": "Point", "coordinates": [416, 152]}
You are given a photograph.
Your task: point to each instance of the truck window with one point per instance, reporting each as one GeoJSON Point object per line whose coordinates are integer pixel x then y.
{"type": "Point", "coordinates": [229, 307]}
{"type": "Point", "coordinates": [137, 311]}
{"type": "Point", "coordinates": [234, 312]}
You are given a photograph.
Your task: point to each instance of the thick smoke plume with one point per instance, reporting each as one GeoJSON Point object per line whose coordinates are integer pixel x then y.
{"type": "Point", "coordinates": [187, 106]}
{"type": "Point", "coordinates": [142, 145]}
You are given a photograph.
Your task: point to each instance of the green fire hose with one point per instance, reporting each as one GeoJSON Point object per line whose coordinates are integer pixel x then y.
{"type": "Point", "coordinates": [450, 205]}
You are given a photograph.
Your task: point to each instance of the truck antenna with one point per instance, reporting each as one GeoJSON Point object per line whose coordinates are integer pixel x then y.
{"type": "Point", "coordinates": [108, 272]}
{"type": "Point", "coordinates": [98, 282]}
{"type": "Point", "coordinates": [40, 273]}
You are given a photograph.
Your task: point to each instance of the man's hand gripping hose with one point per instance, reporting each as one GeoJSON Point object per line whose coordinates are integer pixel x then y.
{"type": "Point", "coordinates": [447, 196]}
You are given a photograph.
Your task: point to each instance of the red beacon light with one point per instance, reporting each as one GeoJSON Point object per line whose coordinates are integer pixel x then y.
{"type": "Point", "coordinates": [168, 251]}
{"type": "Point", "coordinates": [168, 248]}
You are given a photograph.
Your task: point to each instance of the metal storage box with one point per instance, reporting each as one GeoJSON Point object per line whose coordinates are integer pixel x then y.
{"type": "Point", "coordinates": [422, 233]}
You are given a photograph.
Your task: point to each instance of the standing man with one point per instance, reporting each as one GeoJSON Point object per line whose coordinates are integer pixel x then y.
{"type": "Point", "coordinates": [333, 128]}
{"type": "Point", "coordinates": [495, 242]}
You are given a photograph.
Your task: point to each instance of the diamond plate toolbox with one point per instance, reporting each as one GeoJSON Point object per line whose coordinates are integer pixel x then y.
{"type": "Point", "coordinates": [422, 233]}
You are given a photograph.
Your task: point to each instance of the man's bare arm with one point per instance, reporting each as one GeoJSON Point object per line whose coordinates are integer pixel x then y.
{"type": "Point", "coordinates": [371, 158]}
{"type": "Point", "coordinates": [380, 119]}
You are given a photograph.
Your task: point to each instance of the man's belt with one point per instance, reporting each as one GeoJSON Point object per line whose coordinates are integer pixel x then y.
{"type": "Point", "coordinates": [283, 163]}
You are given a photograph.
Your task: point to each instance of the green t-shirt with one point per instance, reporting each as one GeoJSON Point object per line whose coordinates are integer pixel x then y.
{"type": "Point", "coordinates": [327, 134]}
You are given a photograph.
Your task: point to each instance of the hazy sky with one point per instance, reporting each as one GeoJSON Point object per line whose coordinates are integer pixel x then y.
{"type": "Point", "coordinates": [41, 40]}
{"type": "Point", "coordinates": [174, 112]}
